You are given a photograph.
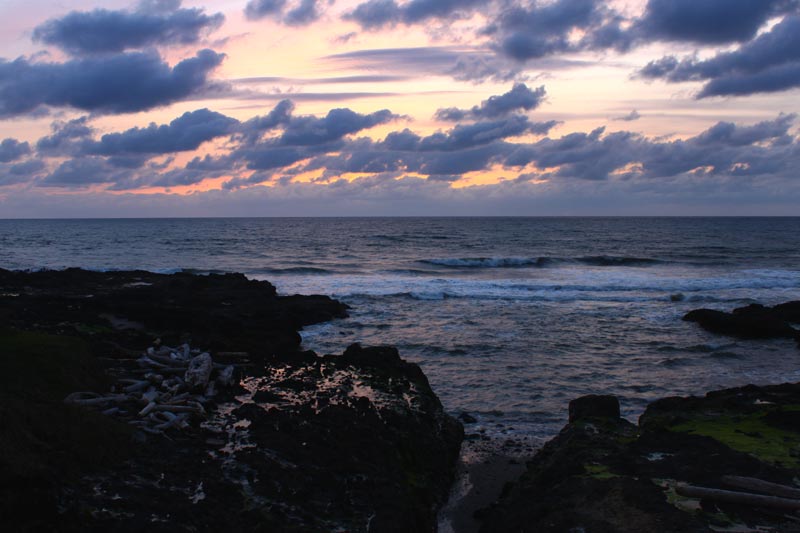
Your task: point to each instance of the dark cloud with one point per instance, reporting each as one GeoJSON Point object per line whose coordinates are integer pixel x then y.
{"type": "Point", "coordinates": [544, 29]}
{"type": "Point", "coordinates": [12, 149]}
{"type": "Point", "coordinates": [630, 117]}
{"type": "Point", "coordinates": [104, 31]}
{"type": "Point", "coordinates": [724, 149]}
{"type": "Point", "coordinates": [258, 9]}
{"type": "Point", "coordinates": [764, 149]}
{"type": "Point", "coordinates": [83, 172]}
{"type": "Point", "coordinates": [302, 137]}
{"type": "Point", "coordinates": [485, 132]}
{"type": "Point", "coordinates": [122, 83]}
{"type": "Point", "coordinates": [309, 130]}
{"type": "Point", "coordinates": [63, 139]}
{"type": "Point", "coordinates": [297, 13]}
{"type": "Point", "coordinates": [729, 134]}
{"type": "Point", "coordinates": [464, 148]}
{"type": "Point", "coordinates": [372, 78]}
{"type": "Point", "coordinates": [186, 132]}
{"type": "Point", "coordinates": [20, 172]}
{"type": "Point", "coordinates": [708, 21]}
{"type": "Point", "coordinates": [768, 63]}
{"type": "Point", "coordinates": [537, 30]}
{"type": "Point", "coordinates": [459, 62]}
{"type": "Point", "coordinates": [520, 97]}
{"type": "Point", "coordinates": [375, 14]}
{"type": "Point", "coordinates": [281, 114]}
{"type": "Point", "coordinates": [280, 145]}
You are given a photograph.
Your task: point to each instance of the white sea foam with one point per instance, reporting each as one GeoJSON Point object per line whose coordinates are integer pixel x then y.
{"type": "Point", "coordinates": [567, 285]}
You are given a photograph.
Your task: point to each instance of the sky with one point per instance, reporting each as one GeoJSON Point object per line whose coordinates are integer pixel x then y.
{"type": "Point", "coordinates": [170, 108]}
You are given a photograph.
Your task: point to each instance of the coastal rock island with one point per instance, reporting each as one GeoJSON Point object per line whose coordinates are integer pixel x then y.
{"type": "Point", "coordinates": [271, 437]}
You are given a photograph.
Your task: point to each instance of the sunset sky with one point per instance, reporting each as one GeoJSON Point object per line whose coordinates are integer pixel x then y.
{"type": "Point", "coordinates": [399, 107]}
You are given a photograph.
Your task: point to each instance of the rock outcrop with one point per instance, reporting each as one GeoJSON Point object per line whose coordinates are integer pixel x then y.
{"type": "Point", "coordinates": [293, 441]}
{"type": "Point", "coordinates": [605, 474]}
{"type": "Point", "coordinates": [751, 322]}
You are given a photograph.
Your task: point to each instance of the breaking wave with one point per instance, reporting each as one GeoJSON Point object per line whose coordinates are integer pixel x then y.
{"type": "Point", "coordinates": [539, 262]}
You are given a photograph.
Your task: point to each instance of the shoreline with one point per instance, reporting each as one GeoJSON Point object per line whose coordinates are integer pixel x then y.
{"type": "Point", "coordinates": [338, 428]}
{"type": "Point", "coordinates": [304, 442]}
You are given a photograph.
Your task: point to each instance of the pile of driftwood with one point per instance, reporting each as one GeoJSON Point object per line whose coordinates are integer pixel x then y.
{"type": "Point", "coordinates": [763, 493]}
{"type": "Point", "coordinates": [164, 388]}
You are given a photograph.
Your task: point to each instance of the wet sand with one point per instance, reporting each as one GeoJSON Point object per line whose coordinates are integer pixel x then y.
{"type": "Point", "coordinates": [486, 467]}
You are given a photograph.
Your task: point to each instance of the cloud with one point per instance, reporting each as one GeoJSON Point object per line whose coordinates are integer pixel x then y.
{"type": "Point", "coordinates": [708, 21]}
{"type": "Point", "coordinates": [768, 63]}
{"type": "Point", "coordinates": [297, 13]}
{"type": "Point", "coordinates": [122, 83]}
{"type": "Point", "coordinates": [630, 117]}
{"type": "Point", "coordinates": [729, 134]}
{"type": "Point", "coordinates": [20, 172]}
{"type": "Point", "coordinates": [83, 172]}
{"type": "Point", "coordinates": [469, 135]}
{"type": "Point", "coordinates": [375, 14]}
{"type": "Point", "coordinates": [520, 97]}
{"type": "Point", "coordinates": [462, 63]}
{"type": "Point", "coordinates": [12, 149]}
{"type": "Point", "coordinates": [544, 29]}
{"type": "Point", "coordinates": [280, 115]}
{"type": "Point", "coordinates": [309, 130]}
{"type": "Point", "coordinates": [186, 132]}
{"type": "Point", "coordinates": [104, 31]}
{"type": "Point", "coordinates": [63, 139]}
{"type": "Point", "coordinates": [369, 79]}
{"type": "Point", "coordinates": [302, 136]}
{"type": "Point", "coordinates": [276, 147]}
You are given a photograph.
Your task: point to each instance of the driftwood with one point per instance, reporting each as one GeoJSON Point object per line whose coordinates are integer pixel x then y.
{"type": "Point", "coordinates": [95, 399]}
{"type": "Point", "coordinates": [742, 498]}
{"type": "Point", "coordinates": [180, 408]}
{"type": "Point", "coordinates": [199, 371]}
{"type": "Point", "coordinates": [766, 487]}
{"type": "Point", "coordinates": [162, 389]}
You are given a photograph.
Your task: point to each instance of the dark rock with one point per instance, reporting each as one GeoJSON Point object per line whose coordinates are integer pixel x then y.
{"type": "Point", "coordinates": [790, 311]}
{"type": "Point", "coordinates": [312, 444]}
{"type": "Point", "coordinates": [593, 406]}
{"type": "Point", "coordinates": [751, 322]}
{"type": "Point", "coordinates": [467, 418]}
{"type": "Point", "coordinates": [607, 475]}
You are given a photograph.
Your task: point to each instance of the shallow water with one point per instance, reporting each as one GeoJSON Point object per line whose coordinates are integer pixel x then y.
{"type": "Point", "coordinates": [509, 317]}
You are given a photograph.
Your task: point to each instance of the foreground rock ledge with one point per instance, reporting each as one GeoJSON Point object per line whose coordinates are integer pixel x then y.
{"type": "Point", "coordinates": [355, 442]}
{"type": "Point", "coordinates": [605, 474]}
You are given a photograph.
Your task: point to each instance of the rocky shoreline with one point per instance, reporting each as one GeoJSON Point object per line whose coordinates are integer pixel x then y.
{"type": "Point", "coordinates": [728, 461]}
{"type": "Point", "coordinates": [605, 474]}
{"type": "Point", "coordinates": [300, 442]}
{"type": "Point", "coordinates": [275, 438]}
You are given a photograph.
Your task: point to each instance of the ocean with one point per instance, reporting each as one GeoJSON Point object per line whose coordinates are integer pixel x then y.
{"type": "Point", "coordinates": [509, 318]}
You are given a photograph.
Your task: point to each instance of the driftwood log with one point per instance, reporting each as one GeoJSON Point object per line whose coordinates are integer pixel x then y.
{"type": "Point", "coordinates": [758, 485]}
{"type": "Point", "coordinates": [742, 498]}
{"type": "Point", "coordinates": [166, 388]}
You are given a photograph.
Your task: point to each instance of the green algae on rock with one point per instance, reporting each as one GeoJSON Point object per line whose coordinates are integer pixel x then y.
{"type": "Point", "coordinates": [605, 474]}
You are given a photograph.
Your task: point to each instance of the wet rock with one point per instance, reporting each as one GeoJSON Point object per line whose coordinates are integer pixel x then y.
{"type": "Point", "coordinates": [199, 371]}
{"type": "Point", "coordinates": [751, 322]}
{"type": "Point", "coordinates": [298, 442]}
{"type": "Point", "coordinates": [467, 418]}
{"type": "Point", "coordinates": [608, 475]}
{"type": "Point", "coordinates": [593, 406]}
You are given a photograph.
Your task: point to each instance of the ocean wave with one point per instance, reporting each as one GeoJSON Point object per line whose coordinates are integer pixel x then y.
{"type": "Point", "coordinates": [294, 270]}
{"type": "Point", "coordinates": [570, 285]}
{"type": "Point", "coordinates": [539, 262]}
